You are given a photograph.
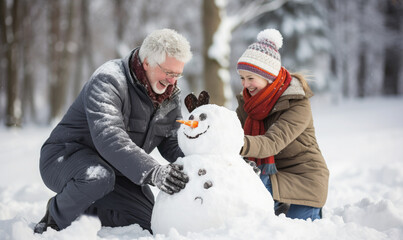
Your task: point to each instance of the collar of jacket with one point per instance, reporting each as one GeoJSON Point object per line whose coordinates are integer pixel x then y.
{"type": "Point", "coordinates": [294, 91]}
{"type": "Point", "coordinates": [126, 64]}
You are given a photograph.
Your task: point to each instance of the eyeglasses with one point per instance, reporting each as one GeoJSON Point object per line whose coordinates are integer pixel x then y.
{"type": "Point", "coordinates": [170, 74]}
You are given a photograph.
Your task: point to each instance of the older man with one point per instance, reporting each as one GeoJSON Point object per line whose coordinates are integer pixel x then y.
{"type": "Point", "coordinates": [97, 158]}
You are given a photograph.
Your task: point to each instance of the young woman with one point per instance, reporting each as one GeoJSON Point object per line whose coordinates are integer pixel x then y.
{"type": "Point", "coordinates": [275, 112]}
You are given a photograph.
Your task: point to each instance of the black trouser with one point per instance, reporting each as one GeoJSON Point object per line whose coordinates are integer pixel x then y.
{"type": "Point", "coordinates": [85, 183]}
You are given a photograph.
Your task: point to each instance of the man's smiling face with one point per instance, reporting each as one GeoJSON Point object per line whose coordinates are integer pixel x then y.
{"type": "Point", "coordinates": [158, 77]}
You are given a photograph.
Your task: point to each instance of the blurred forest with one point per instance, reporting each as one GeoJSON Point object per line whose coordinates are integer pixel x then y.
{"type": "Point", "coordinates": [49, 48]}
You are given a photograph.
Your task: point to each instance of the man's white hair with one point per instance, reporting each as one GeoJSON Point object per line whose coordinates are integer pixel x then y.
{"type": "Point", "coordinates": [164, 42]}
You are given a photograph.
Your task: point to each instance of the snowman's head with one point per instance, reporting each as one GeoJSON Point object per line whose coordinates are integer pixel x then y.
{"type": "Point", "coordinates": [218, 131]}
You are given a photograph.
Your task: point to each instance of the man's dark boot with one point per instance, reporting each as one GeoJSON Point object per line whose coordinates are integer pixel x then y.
{"type": "Point", "coordinates": [46, 221]}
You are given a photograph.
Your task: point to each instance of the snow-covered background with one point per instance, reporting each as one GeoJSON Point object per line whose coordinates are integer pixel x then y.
{"type": "Point", "coordinates": [362, 141]}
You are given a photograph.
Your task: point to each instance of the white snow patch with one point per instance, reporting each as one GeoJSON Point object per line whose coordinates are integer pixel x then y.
{"type": "Point", "coordinates": [60, 159]}
{"type": "Point", "coordinates": [361, 141]}
{"type": "Point", "coordinates": [96, 172]}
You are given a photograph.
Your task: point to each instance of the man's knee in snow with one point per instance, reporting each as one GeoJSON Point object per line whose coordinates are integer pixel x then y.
{"type": "Point", "coordinates": [100, 179]}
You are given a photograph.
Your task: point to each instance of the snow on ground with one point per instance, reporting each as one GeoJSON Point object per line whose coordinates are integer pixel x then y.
{"type": "Point", "coordinates": [362, 141]}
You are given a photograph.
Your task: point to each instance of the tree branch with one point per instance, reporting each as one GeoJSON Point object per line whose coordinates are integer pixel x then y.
{"type": "Point", "coordinates": [255, 9]}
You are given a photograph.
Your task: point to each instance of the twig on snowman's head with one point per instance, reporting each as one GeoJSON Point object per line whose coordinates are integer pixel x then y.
{"type": "Point", "coordinates": [192, 102]}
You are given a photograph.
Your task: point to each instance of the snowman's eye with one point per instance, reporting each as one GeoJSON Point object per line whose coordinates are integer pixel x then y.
{"type": "Point", "coordinates": [191, 117]}
{"type": "Point", "coordinates": [203, 117]}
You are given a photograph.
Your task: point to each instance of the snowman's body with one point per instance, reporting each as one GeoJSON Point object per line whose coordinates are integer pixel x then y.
{"type": "Point", "coordinates": [221, 186]}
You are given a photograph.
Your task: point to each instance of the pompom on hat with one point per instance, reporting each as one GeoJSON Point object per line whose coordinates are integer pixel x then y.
{"type": "Point", "coordinates": [263, 57]}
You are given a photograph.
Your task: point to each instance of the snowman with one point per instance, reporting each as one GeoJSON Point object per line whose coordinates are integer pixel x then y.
{"type": "Point", "coordinates": [221, 187]}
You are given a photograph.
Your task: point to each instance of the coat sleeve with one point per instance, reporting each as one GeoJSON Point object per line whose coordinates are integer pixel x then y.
{"type": "Point", "coordinates": [291, 123]}
{"type": "Point", "coordinates": [103, 102]}
{"type": "Point", "coordinates": [169, 148]}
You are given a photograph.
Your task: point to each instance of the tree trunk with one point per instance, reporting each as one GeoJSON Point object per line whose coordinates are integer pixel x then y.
{"type": "Point", "coordinates": [214, 84]}
{"type": "Point", "coordinates": [59, 56]}
{"type": "Point", "coordinates": [84, 51]}
{"type": "Point", "coordinates": [10, 38]}
{"type": "Point", "coordinates": [54, 57]}
{"type": "Point", "coordinates": [28, 85]}
{"type": "Point", "coordinates": [120, 18]}
{"type": "Point", "coordinates": [217, 31]}
{"type": "Point", "coordinates": [393, 83]}
{"type": "Point", "coordinates": [3, 49]}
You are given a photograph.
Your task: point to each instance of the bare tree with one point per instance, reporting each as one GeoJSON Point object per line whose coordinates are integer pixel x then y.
{"type": "Point", "coordinates": [345, 43]}
{"type": "Point", "coordinates": [393, 74]}
{"type": "Point", "coordinates": [60, 36]}
{"type": "Point", "coordinates": [217, 29]}
{"type": "Point", "coordinates": [370, 76]}
{"type": "Point", "coordinates": [211, 22]}
{"type": "Point", "coordinates": [120, 17]}
{"type": "Point", "coordinates": [30, 11]}
{"type": "Point", "coordinates": [359, 36]}
{"type": "Point", "coordinates": [3, 47]}
{"type": "Point", "coordinates": [84, 52]}
{"type": "Point", "coordinates": [10, 38]}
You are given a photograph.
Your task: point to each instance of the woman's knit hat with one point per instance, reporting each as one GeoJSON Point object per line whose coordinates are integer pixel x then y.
{"type": "Point", "coordinates": [262, 57]}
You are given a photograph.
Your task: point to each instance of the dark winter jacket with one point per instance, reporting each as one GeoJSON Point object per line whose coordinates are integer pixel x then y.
{"type": "Point", "coordinates": [302, 176]}
{"type": "Point", "coordinates": [114, 116]}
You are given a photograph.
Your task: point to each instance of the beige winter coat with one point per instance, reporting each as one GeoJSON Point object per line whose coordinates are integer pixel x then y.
{"type": "Point", "coordinates": [302, 176]}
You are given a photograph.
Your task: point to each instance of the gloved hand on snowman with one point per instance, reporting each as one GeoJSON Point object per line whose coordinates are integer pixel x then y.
{"type": "Point", "coordinates": [169, 178]}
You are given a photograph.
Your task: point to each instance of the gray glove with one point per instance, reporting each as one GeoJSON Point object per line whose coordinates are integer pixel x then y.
{"type": "Point", "coordinates": [253, 165]}
{"type": "Point", "coordinates": [169, 178]}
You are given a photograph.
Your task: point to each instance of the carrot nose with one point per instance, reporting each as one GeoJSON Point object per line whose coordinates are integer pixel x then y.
{"type": "Point", "coordinates": [190, 123]}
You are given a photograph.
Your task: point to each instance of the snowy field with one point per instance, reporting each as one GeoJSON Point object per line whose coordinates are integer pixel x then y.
{"type": "Point", "coordinates": [362, 141]}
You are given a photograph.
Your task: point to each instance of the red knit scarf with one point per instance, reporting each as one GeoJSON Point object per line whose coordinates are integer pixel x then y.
{"type": "Point", "coordinates": [258, 108]}
{"type": "Point", "coordinates": [138, 70]}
